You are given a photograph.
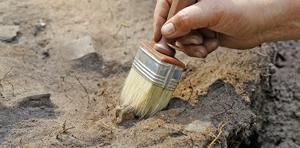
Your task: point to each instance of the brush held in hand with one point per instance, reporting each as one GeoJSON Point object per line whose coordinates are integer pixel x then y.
{"type": "Point", "coordinates": [154, 75]}
{"type": "Point", "coordinates": [151, 81]}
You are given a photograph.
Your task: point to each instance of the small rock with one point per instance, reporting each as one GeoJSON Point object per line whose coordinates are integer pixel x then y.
{"type": "Point", "coordinates": [78, 48]}
{"type": "Point", "coordinates": [8, 32]}
{"type": "Point", "coordinates": [39, 27]}
{"type": "Point", "coordinates": [199, 126]}
{"type": "Point", "coordinates": [122, 114]}
{"type": "Point", "coordinates": [38, 100]}
{"type": "Point", "coordinates": [41, 23]}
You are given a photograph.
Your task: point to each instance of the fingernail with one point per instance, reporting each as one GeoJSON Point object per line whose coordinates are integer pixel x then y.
{"type": "Point", "coordinates": [168, 29]}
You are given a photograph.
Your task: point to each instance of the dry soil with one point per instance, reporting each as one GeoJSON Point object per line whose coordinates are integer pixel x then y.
{"type": "Point", "coordinates": [233, 98]}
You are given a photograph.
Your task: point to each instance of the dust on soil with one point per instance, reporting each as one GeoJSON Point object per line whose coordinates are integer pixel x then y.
{"type": "Point", "coordinates": [47, 101]}
{"type": "Point", "coordinates": [279, 108]}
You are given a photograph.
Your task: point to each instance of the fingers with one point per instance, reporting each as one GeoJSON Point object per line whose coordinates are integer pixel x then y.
{"type": "Point", "coordinates": [211, 44]}
{"type": "Point", "coordinates": [193, 38]}
{"type": "Point", "coordinates": [198, 48]}
{"type": "Point", "coordinates": [160, 16]}
{"type": "Point", "coordinates": [198, 51]}
{"type": "Point", "coordinates": [199, 15]}
{"type": "Point", "coordinates": [208, 33]}
{"type": "Point", "coordinates": [190, 17]}
{"type": "Point", "coordinates": [235, 43]}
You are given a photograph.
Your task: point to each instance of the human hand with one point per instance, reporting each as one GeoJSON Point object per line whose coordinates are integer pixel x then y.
{"type": "Point", "coordinates": [197, 43]}
{"type": "Point", "coordinates": [238, 24]}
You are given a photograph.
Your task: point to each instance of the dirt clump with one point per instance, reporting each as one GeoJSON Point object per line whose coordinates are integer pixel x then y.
{"type": "Point", "coordinates": [233, 98]}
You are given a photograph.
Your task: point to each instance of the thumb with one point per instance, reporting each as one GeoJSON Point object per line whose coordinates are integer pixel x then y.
{"type": "Point", "coordinates": [193, 17]}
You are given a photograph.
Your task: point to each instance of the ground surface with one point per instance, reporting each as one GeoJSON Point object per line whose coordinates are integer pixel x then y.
{"type": "Point", "coordinates": [240, 98]}
{"type": "Point", "coordinates": [279, 111]}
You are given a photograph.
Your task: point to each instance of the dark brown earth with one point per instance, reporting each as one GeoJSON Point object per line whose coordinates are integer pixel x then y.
{"type": "Point", "coordinates": [278, 111]}
{"type": "Point", "coordinates": [232, 98]}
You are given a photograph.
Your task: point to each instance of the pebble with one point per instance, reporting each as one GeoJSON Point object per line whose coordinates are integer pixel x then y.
{"type": "Point", "coordinates": [199, 126]}
{"type": "Point", "coordinates": [78, 48]}
{"type": "Point", "coordinates": [39, 27]}
{"type": "Point", "coordinates": [8, 32]}
{"type": "Point", "coordinates": [41, 23]}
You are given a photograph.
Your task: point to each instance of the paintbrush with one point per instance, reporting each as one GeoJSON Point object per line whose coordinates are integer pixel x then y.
{"type": "Point", "coordinates": [153, 76]}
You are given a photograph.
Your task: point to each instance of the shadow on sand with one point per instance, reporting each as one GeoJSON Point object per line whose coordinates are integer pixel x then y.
{"type": "Point", "coordinates": [32, 107]}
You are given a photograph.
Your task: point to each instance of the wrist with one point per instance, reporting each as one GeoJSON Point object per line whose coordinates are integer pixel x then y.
{"type": "Point", "coordinates": [290, 21]}
{"type": "Point", "coordinates": [294, 13]}
{"type": "Point", "coordinates": [293, 9]}
{"type": "Point", "coordinates": [282, 19]}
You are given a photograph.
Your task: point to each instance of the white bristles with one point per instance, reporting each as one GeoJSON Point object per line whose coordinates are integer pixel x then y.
{"type": "Point", "coordinates": [144, 97]}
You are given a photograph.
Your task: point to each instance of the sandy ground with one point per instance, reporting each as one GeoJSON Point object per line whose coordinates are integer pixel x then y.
{"type": "Point", "coordinates": [50, 101]}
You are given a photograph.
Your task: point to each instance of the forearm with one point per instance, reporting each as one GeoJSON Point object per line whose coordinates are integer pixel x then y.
{"type": "Point", "coordinates": [287, 26]}
{"type": "Point", "coordinates": [294, 22]}
{"type": "Point", "coordinates": [294, 7]}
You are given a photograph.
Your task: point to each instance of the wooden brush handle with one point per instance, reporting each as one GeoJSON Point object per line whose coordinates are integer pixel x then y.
{"type": "Point", "coordinates": [162, 45]}
{"type": "Point", "coordinates": [162, 57]}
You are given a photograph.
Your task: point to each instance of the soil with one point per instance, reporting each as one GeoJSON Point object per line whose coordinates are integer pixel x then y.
{"type": "Point", "coordinates": [279, 109]}
{"type": "Point", "coordinates": [233, 98]}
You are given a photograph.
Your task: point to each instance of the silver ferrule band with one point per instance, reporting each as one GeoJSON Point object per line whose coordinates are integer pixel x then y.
{"type": "Point", "coordinates": [162, 74]}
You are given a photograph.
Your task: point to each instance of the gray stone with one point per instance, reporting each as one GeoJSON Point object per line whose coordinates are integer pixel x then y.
{"type": "Point", "coordinates": [78, 48]}
{"type": "Point", "coordinates": [199, 126]}
{"type": "Point", "coordinates": [42, 23]}
{"type": "Point", "coordinates": [8, 32]}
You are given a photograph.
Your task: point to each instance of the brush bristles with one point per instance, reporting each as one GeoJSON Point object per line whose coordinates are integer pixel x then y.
{"type": "Point", "coordinates": [144, 97]}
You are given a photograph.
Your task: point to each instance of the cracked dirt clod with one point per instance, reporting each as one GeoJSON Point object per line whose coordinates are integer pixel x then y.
{"type": "Point", "coordinates": [8, 32]}
{"type": "Point", "coordinates": [35, 100]}
{"type": "Point", "coordinates": [211, 89]}
{"type": "Point", "coordinates": [78, 48]}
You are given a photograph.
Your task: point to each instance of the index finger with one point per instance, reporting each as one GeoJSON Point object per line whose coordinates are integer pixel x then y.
{"type": "Point", "coordinates": [161, 14]}
{"type": "Point", "coordinates": [160, 17]}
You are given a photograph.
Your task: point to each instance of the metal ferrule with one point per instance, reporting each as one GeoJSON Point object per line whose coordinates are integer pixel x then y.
{"type": "Point", "coordinates": [160, 73]}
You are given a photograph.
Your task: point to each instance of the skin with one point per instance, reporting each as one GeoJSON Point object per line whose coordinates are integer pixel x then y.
{"type": "Point", "coordinates": [200, 27]}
